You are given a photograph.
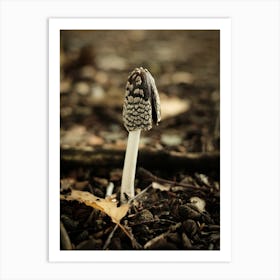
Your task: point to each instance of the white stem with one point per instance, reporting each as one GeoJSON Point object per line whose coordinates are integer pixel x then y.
{"type": "Point", "coordinates": [130, 165]}
{"type": "Point", "coordinates": [110, 189]}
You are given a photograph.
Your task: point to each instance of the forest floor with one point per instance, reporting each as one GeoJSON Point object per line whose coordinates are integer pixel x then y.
{"type": "Point", "coordinates": [177, 186]}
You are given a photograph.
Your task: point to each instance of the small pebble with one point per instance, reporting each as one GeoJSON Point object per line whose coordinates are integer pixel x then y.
{"type": "Point", "coordinates": [97, 93]}
{"type": "Point", "coordinates": [94, 140]}
{"type": "Point", "coordinates": [82, 88]}
{"type": "Point", "coordinates": [171, 139]}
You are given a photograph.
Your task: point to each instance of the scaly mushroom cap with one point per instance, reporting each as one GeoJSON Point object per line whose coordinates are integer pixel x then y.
{"type": "Point", "coordinates": [141, 104]}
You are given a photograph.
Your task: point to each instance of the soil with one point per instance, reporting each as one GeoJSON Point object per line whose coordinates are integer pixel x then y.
{"type": "Point", "coordinates": [177, 184]}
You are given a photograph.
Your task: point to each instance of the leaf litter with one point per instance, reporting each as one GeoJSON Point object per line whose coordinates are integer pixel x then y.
{"type": "Point", "coordinates": [107, 205]}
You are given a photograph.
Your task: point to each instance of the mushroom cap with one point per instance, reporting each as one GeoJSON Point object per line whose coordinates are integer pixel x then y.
{"type": "Point", "coordinates": [141, 104]}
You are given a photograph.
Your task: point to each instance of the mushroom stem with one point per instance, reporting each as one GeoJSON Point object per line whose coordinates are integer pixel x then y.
{"type": "Point", "coordinates": [127, 186]}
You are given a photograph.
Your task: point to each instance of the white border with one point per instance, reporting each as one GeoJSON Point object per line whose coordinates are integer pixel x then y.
{"type": "Point", "coordinates": [222, 24]}
{"type": "Point", "coordinates": [255, 139]}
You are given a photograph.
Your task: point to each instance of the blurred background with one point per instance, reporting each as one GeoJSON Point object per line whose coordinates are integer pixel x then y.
{"type": "Point", "coordinates": [94, 70]}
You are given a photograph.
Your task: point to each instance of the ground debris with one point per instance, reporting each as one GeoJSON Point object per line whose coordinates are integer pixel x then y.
{"type": "Point", "coordinates": [162, 216]}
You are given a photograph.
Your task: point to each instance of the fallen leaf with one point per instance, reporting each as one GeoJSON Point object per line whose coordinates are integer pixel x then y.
{"type": "Point", "coordinates": [173, 106]}
{"type": "Point", "coordinates": [107, 205]}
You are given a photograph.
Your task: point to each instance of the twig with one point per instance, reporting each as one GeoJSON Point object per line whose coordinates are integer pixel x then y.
{"type": "Point", "coordinates": [88, 221]}
{"type": "Point", "coordinates": [154, 178]}
{"type": "Point", "coordinates": [135, 244]}
{"type": "Point", "coordinates": [90, 188]}
{"type": "Point", "coordinates": [139, 194]}
{"type": "Point", "coordinates": [101, 233]}
{"type": "Point", "coordinates": [162, 236]}
{"type": "Point", "coordinates": [154, 221]}
{"type": "Point", "coordinates": [64, 237]}
{"type": "Point", "coordinates": [125, 231]}
{"type": "Point", "coordinates": [108, 241]}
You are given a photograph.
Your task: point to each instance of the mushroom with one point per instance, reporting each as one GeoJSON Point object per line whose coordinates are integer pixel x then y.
{"type": "Point", "coordinates": [141, 108]}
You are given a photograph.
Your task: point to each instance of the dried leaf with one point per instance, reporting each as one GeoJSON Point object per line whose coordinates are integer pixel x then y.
{"type": "Point", "coordinates": [158, 186]}
{"type": "Point", "coordinates": [107, 205]}
{"type": "Point", "coordinates": [199, 203]}
{"type": "Point", "coordinates": [173, 106]}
